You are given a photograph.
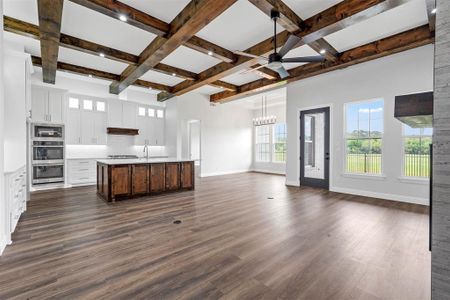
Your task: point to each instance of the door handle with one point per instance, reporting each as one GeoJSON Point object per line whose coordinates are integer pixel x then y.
{"type": "Point", "coordinates": [327, 156]}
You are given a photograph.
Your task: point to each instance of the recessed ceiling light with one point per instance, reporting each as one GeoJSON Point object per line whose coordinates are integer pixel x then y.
{"type": "Point", "coordinates": [102, 54]}
{"type": "Point", "coordinates": [90, 75]}
{"type": "Point", "coordinates": [150, 88]}
{"type": "Point", "coordinates": [174, 74]}
{"type": "Point", "coordinates": [123, 18]}
{"type": "Point", "coordinates": [323, 51]}
{"type": "Point", "coordinates": [434, 10]}
{"type": "Point", "coordinates": [210, 53]}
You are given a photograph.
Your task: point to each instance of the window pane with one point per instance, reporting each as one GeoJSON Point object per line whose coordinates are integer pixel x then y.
{"type": "Point", "coordinates": [376, 128]}
{"type": "Point", "coordinates": [416, 143]}
{"type": "Point", "coordinates": [87, 104]}
{"type": "Point", "coordinates": [100, 106]}
{"type": "Point", "coordinates": [74, 103]}
{"type": "Point", "coordinates": [279, 142]}
{"type": "Point", "coordinates": [160, 113]}
{"type": "Point", "coordinates": [262, 134]}
{"type": "Point", "coordinates": [141, 111]}
{"type": "Point", "coordinates": [151, 112]}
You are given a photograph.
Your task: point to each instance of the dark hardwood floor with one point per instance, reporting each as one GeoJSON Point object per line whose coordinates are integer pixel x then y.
{"type": "Point", "coordinates": [234, 243]}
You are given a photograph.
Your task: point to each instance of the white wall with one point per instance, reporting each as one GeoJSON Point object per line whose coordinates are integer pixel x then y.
{"type": "Point", "coordinates": [278, 110]}
{"type": "Point", "coordinates": [226, 133]}
{"type": "Point", "coordinates": [403, 73]}
{"type": "Point", "coordinates": [2, 112]}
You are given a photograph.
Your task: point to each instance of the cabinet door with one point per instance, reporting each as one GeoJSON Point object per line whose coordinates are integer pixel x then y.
{"type": "Point", "coordinates": [87, 127]}
{"type": "Point", "coordinates": [172, 176]}
{"type": "Point", "coordinates": [55, 107]}
{"type": "Point", "coordinates": [142, 125]}
{"type": "Point", "coordinates": [100, 128]}
{"type": "Point", "coordinates": [157, 178]}
{"type": "Point", "coordinates": [129, 115]}
{"type": "Point", "coordinates": [139, 179]}
{"type": "Point", "coordinates": [120, 180]}
{"type": "Point", "coordinates": [73, 130]}
{"type": "Point", "coordinates": [187, 175]}
{"type": "Point", "coordinates": [159, 132]}
{"type": "Point", "coordinates": [39, 105]}
{"type": "Point", "coordinates": [114, 113]}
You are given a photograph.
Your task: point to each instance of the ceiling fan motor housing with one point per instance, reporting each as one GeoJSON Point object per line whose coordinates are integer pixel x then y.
{"type": "Point", "coordinates": [274, 14]}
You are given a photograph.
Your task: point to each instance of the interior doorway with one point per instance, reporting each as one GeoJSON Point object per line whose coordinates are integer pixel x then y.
{"type": "Point", "coordinates": [315, 147]}
{"type": "Point", "coordinates": [194, 134]}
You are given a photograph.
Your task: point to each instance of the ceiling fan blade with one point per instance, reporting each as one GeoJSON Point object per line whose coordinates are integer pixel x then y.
{"type": "Point", "coordinates": [304, 59]}
{"type": "Point", "coordinates": [281, 71]}
{"type": "Point", "coordinates": [290, 43]}
{"type": "Point", "coordinates": [252, 69]}
{"type": "Point", "coordinates": [249, 55]}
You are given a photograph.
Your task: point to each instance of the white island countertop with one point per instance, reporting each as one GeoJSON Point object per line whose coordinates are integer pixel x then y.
{"type": "Point", "coordinates": [134, 161]}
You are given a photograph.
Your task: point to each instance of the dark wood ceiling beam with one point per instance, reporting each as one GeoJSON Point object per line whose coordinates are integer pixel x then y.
{"type": "Point", "coordinates": [134, 17]}
{"type": "Point", "coordinates": [196, 15]}
{"type": "Point", "coordinates": [224, 85]}
{"type": "Point", "coordinates": [338, 17]}
{"type": "Point", "coordinates": [290, 21]}
{"type": "Point", "coordinates": [265, 72]}
{"type": "Point", "coordinates": [397, 43]}
{"type": "Point", "coordinates": [431, 5]}
{"type": "Point", "coordinates": [50, 15]}
{"type": "Point", "coordinates": [74, 69]}
{"type": "Point", "coordinates": [205, 47]}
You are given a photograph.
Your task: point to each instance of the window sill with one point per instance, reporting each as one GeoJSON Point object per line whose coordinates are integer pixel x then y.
{"type": "Point", "coordinates": [365, 176]}
{"type": "Point", "coordinates": [415, 180]}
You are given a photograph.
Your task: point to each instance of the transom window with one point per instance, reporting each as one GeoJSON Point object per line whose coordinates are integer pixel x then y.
{"type": "Point", "coordinates": [364, 136]}
{"type": "Point", "coordinates": [416, 155]}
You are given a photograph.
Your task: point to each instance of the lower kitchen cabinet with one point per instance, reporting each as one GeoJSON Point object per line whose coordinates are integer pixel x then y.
{"type": "Point", "coordinates": [139, 177]}
{"type": "Point", "coordinates": [172, 176]}
{"type": "Point", "coordinates": [81, 171]}
{"type": "Point", "coordinates": [157, 178]}
{"type": "Point", "coordinates": [16, 198]}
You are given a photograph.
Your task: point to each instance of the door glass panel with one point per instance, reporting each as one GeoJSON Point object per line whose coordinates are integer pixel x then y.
{"type": "Point", "coordinates": [314, 145]}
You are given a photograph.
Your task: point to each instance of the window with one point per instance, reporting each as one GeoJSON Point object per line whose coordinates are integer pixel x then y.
{"type": "Point", "coordinates": [151, 112]}
{"type": "Point", "coordinates": [100, 106]}
{"type": "Point", "coordinates": [87, 104]}
{"type": "Point", "coordinates": [160, 113]}
{"type": "Point", "coordinates": [363, 137]}
{"type": "Point", "coordinates": [279, 142]}
{"type": "Point", "coordinates": [416, 145]}
{"type": "Point", "coordinates": [262, 134]}
{"type": "Point", "coordinates": [141, 111]}
{"type": "Point", "coordinates": [74, 103]}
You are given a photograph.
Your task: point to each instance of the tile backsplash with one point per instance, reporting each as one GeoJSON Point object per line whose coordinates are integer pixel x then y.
{"type": "Point", "coordinates": [117, 144]}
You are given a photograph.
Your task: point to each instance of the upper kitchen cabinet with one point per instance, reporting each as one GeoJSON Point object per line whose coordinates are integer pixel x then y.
{"type": "Point", "coordinates": [47, 105]}
{"type": "Point", "coordinates": [150, 122]}
{"type": "Point", "coordinates": [122, 114]}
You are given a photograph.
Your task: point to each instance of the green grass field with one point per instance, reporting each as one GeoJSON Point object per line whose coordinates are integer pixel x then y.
{"type": "Point", "coordinates": [415, 165]}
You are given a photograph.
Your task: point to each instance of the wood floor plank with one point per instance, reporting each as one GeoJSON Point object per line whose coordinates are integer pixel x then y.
{"type": "Point", "coordinates": [234, 242]}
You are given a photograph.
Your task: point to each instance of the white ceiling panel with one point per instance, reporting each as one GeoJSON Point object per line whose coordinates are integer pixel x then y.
{"type": "Point", "coordinates": [165, 10]}
{"type": "Point", "coordinates": [399, 19]}
{"type": "Point", "coordinates": [239, 27]}
{"type": "Point", "coordinates": [208, 90]}
{"type": "Point", "coordinates": [297, 52]}
{"type": "Point", "coordinates": [161, 78]}
{"type": "Point", "coordinates": [239, 78]}
{"type": "Point", "coordinates": [90, 25]}
{"type": "Point", "coordinates": [30, 45]}
{"type": "Point", "coordinates": [90, 61]}
{"type": "Point", "coordinates": [190, 60]}
{"type": "Point", "coordinates": [25, 10]}
{"type": "Point", "coordinates": [308, 8]}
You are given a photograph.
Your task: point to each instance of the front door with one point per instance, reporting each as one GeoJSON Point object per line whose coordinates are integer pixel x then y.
{"type": "Point", "coordinates": [315, 147]}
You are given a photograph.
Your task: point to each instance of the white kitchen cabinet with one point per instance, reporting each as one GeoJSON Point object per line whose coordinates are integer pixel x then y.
{"type": "Point", "coordinates": [114, 113]}
{"type": "Point", "coordinates": [81, 171]}
{"type": "Point", "coordinates": [100, 124]}
{"type": "Point", "coordinates": [73, 127]}
{"type": "Point", "coordinates": [143, 126]}
{"type": "Point", "coordinates": [159, 132]}
{"type": "Point", "coordinates": [16, 198]}
{"type": "Point", "coordinates": [46, 105]}
{"type": "Point", "coordinates": [129, 115]}
{"type": "Point", "coordinates": [87, 127]}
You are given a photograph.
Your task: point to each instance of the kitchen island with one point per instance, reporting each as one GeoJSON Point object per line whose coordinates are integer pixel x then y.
{"type": "Point", "coordinates": [129, 178]}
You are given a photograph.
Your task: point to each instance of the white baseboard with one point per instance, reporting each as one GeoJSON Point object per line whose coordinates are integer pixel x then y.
{"type": "Point", "coordinates": [3, 244]}
{"type": "Point", "coordinates": [292, 183]}
{"type": "Point", "coordinates": [269, 171]}
{"type": "Point", "coordinates": [224, 173]}
{"type": "Point", "coordinates": [393, 197]}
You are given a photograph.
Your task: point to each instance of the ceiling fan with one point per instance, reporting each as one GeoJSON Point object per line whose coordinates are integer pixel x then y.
{"type": "Point", "coordinates": [275, 60]}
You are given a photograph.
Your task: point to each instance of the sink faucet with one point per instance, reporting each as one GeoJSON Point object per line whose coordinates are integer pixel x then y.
{"type": "Point", "coordinates": [146, 151]}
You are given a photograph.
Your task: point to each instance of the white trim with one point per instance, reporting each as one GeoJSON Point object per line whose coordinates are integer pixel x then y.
{"type": "Point", "coordinates": [292, 183]}
{"type": "Point", "coordinates": [414, 180]}
{"type": "Point", "coordinates": [3, 244]}
{"type": "Point", "coordinates": [393, 197]}
{"type": "Point", "coordinates": [364, 176]}
{"type": "Point", "coordinates": [269, 171]}
{"type": "Point", "coordinates": [224, 173]}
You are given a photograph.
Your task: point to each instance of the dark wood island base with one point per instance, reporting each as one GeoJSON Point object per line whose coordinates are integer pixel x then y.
{"type": "Point", "coordinates": [124, 181]}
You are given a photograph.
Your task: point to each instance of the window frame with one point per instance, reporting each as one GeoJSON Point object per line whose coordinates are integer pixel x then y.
{"type": "Point", "coordinates": [345, 138]}
{"type": "Point", "coordinates": [273, 143]}
{"type": "Point", "coordinates": [403, 154]}
{"type": "Point", "coordinates": [256, 153]}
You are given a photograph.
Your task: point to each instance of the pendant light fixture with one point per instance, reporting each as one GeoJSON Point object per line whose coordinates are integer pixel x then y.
{"type": "Point", "coordinates": [264, 119]}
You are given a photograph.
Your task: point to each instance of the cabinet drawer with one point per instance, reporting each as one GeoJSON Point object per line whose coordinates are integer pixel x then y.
{"type": "Point", "coordinates": [78, 163]}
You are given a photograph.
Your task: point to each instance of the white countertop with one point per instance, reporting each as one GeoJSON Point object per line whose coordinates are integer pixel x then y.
{"type": "Point", "coordinates": [141, 161]}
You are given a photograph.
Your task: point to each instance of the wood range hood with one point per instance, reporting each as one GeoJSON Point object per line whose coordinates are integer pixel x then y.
{"type": "Point", "coordinates": [122, 131]}
{"type": "Point", "coordinates": [415, 110]}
